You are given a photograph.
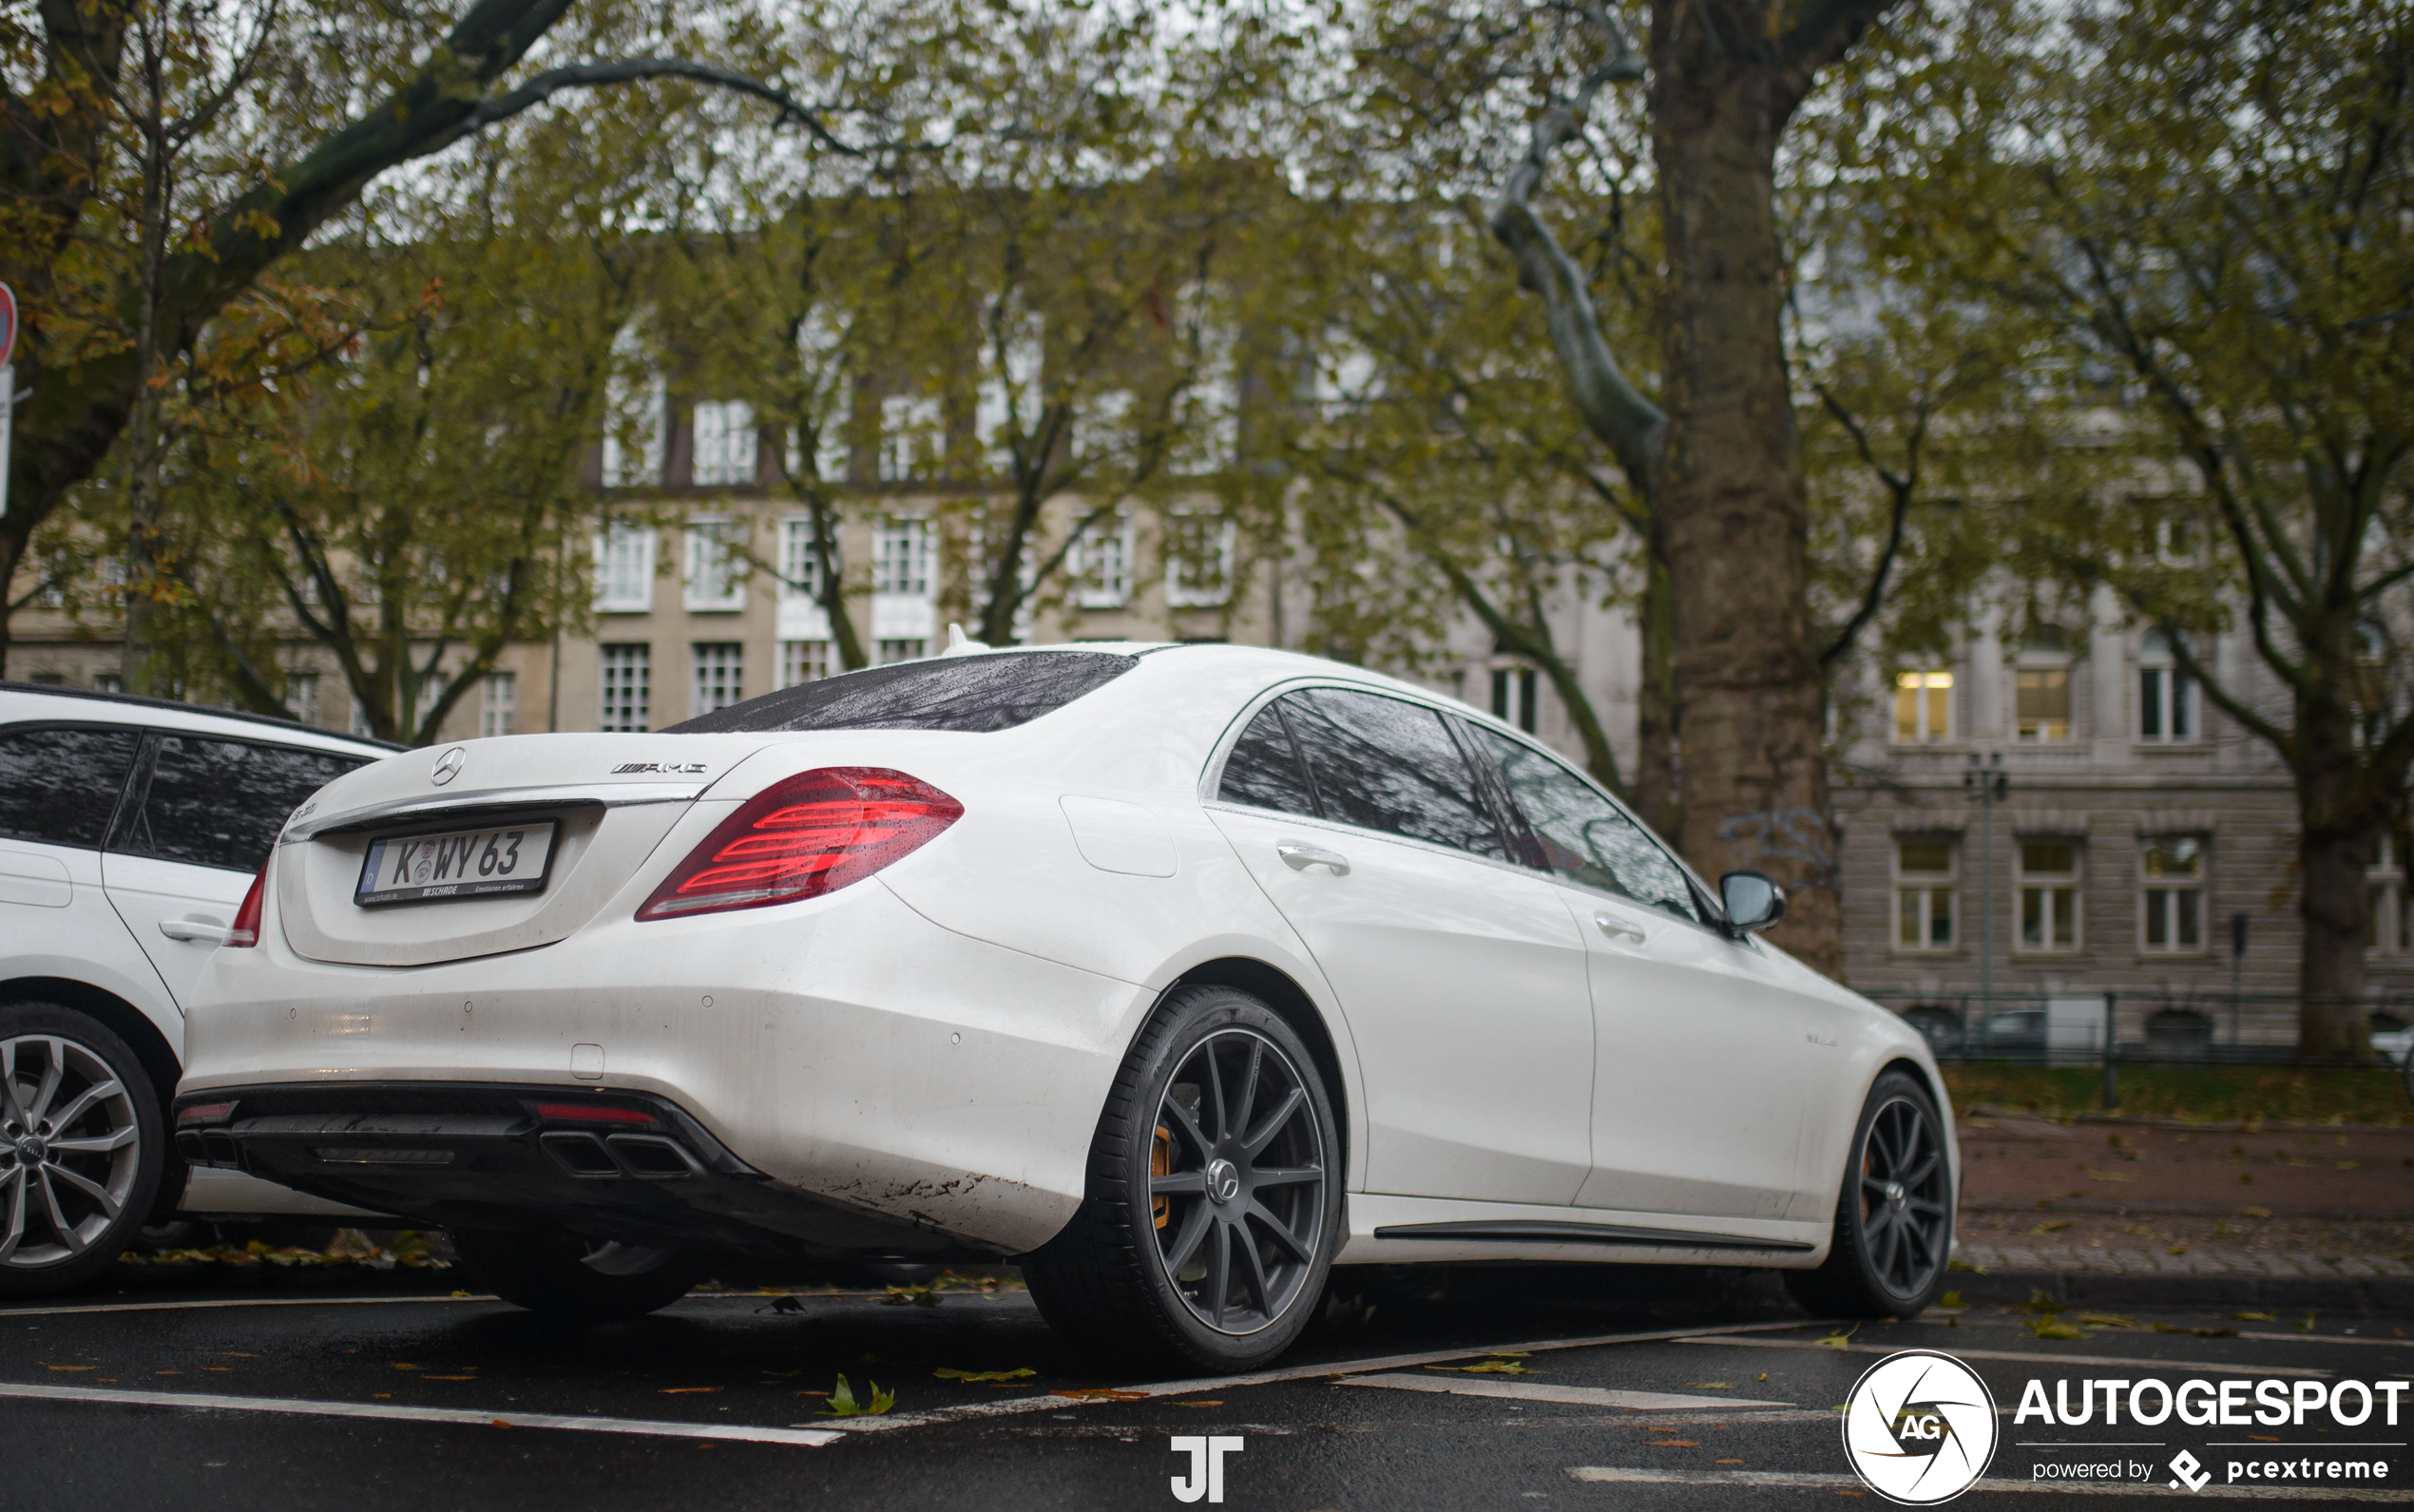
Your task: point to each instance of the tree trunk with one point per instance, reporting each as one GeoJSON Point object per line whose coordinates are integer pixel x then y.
{"type": "Point", "coordinates": [1657, 781]}
{"type": "Point", "coordinates": [2338, 837]}
{"type": "Point", "coordinates": [1730, 496]}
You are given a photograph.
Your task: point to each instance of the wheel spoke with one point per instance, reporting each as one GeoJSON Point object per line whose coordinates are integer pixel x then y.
{"type": "Point", "coordinates": [50, 1087]}
{"type": "Point", "coordinates": [1218, 1273]}
{"type": "Point", "coordinates": [1181, 1183]}
{"type": "Point", "coordinates": [1272, 1124]}
{"type": "Point", "coordinates": [1285, 1174]}
{"type": "Point", "coordinates": [1256, 1265]}
{"type": "Point", "coordinates": [16, 1183]}
{"type": "Point", "coordinates": [58, 1214]}
{"type": "Point", "coordinates": [1248, 1088]}
{"type": "Point", "coordinates": [1919, 1173]}
{"type": "Point", "coordinates": [100, 1144]}
{"type": "Point", "coordinates": [1215, 1092]}
{"type": "Point", "coordinates": [90, 1187]}
{"type": "Point", "coordinates": [9, 1107]}
{"type": "Point", "coordinates": [1282, 1235]}
{"type": "Point", "coordinates": [1195, 1226]}
{"type": "Point", "coordinates": [1188, 1129]}
{"type": "Point", "coordinates": [84, 1101]}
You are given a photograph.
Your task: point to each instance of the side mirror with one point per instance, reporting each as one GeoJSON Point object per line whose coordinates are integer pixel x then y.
{"type": "Point", "coordinates": [1753, 901]}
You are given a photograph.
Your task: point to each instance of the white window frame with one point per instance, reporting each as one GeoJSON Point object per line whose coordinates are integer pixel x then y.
{"type": "Point", "coordinates": [1101, 559]}
{"type": "Point", "coordinates": [2160, 896]}
{"type": "Point", "coordinates": [624, 686]}
{"type": "Point", "coordinates": [2166, 695]}
{"type": "Point", "coordinates": [625, 568]}
{"type": "Point", "coordinates": [644, 405]}
{"type": "Point", "coordinates": [1179, 593]}
{"type": "Point", "coordinates": [805, 661]}
{"type": "Point", "coordinates": [1915, 892]}
{"type": "Point", "coordinates": [2043, 661]}
{"type": "Point", "coordinates": [712, 563]}
{"type": "Point", "coordinates": [904, 556]}
{"type": "Point", "coordinates": [301, 693]}
{"type": "Point", "coordinates": [1923, 683]}
{"type": "Point", "coordinates": [2071, 885]}
{"type": "Point", "coordinates": [725, 451]}
{"type": "Point", "coordinates": [716, 676]}
{"type": "Point", "coordinates": [912, 434]}
{"type": "Point", "coordinates": [901, 648]}
{"type": "Point", "coordinates": [498, 705]}
{"type": "Point", "coordinates": [2392, 924]}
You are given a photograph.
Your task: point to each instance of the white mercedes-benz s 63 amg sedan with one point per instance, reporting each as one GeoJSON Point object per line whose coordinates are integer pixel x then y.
{"type": "Point", "coordinates": [1176, 973]}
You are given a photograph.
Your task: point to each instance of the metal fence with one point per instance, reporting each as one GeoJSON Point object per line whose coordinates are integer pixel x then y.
{"type": "Point", "coordinates": [2081, 1026]}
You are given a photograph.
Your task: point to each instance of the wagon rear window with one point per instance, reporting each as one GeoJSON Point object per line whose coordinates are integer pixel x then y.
{"type": "Point", "coordinates": [979, 693]}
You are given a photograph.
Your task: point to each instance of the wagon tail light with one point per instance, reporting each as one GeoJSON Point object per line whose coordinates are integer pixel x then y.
{"type": "Point", "coordinates": [246, 933]}
{"type": "Point", "coordinates": [813, 833]}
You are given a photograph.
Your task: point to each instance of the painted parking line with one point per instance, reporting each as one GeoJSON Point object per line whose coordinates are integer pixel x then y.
{"type": "Point", "coordinates": [389, 1412]}
{"type": "Point", "coordinates": [7, 1314]}
{"type": "Point", "coordinates": [2242, 1333]}
{"type": "Point", "coordinates": [1051, 1401]}
{"type": "Point", "coordinates": [2027, 1357]}
{"type": "Point", "coordinates": [1543, 1391]}
{"type": "Point", "coordinates": [1791, 1480]}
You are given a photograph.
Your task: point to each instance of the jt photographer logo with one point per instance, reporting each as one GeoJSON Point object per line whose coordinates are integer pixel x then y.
{"type": "Point", "coordinates": [1919, 1427]}
{"type": "Point", "coordinates": [1206, 1477]}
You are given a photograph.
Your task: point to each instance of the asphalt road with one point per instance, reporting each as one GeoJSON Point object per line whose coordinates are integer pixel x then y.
{"type": "Point", "coordinates": [393, 1395]}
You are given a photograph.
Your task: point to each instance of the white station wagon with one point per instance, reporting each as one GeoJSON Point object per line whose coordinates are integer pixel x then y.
{"type": "Point", "coordinates": [1178, 973]}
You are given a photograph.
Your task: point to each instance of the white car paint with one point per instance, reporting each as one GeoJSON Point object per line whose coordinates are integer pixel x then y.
{"type": "Point", "coordinates": [936, 1042]}
{"type": "Point", "coordinates": [136, 928]}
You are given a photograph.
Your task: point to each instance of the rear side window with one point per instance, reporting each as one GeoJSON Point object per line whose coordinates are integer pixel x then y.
{"type": "Point", "coordinates": [978, 693]}
{"type": "Point", "coordinates": [1263, 771]}
{"type": "Point", "coordinates": [59, 784]}
{"type": "Point", "coordinates": [1584, 837]}
{"type": "Point", "coordinates": [219, 803]}
{"type": "Point", "coordinates": [1391, 765]}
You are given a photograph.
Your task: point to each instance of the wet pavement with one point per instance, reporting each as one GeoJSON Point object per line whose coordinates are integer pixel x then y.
{"type": "Point", "coordinates": [1506, 1387]}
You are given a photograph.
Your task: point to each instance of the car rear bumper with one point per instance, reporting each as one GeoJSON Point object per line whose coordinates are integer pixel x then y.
{"type": "Point", "coordinates": [623, 1165]}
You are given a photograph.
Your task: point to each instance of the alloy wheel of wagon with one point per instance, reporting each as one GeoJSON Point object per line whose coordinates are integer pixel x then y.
{"type": "Point", "coordinates": [1894, 1217]}
{"type": "Point", "coordinates": [1214, 1197]}
{"type": "Point", "coordinates": [80, 1148]}
{"type": "Point", "coordinates": [1240, 1199]}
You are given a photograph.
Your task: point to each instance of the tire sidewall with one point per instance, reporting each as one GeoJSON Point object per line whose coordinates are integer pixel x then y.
{"type": "Point", "coordinates": [1850, 1238]}
{"type": "Point", "coordinates": [18, 1019]}
{"type": "Point", "coordinates": [1189, 1020]}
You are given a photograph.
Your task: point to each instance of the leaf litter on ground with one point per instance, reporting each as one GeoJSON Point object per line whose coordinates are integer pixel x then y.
{"type": "Point", "coordinates": [843, 1402]}
{"type": "Point", "coordinates": [949, 1372]}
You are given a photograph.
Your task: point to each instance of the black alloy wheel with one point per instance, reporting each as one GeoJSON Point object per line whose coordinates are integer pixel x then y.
{"type": "Point", "coordinates": [1236, 1181]}
{"type": "Point", "coordinates": [1894, 1217]}
{"type": "Point", "coordinates": [1214, 1194]}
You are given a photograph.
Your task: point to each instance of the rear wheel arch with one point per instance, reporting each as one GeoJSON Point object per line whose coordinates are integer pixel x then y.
{"type": "Point", "coordinates": [120, 1017]}
{"type": "Point", "coordinates": [1292, 1004]}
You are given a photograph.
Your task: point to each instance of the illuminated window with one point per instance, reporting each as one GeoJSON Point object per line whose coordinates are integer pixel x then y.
{"type": "Point", "coordinates": [1923, 874]}
{"type": "Point", "coordinates": [1923, 707]}
{"type": "Point", "coordinates": [2174, 871]}
{"type": "Point", "coordinates": [2041, 686]}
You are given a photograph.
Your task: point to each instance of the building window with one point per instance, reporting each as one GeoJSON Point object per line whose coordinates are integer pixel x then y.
{"type": "Point", "coordinates": [1923, 707]}
{"type": "Point", "coordinates": [1200, 547]}
{"type": "Point", "coordinates": [901, 556]}
{"type": "Point", "coordinates": [721, 676]}
{"type": "Point", "coordinates": [499, 704]}
{"type": "Point", "coordinates": [903, 650]}
{"type": "Point", "coordinates": [803, 662]}
{"type": "Point", "coordinates": [1102, 562]}
{"type": "Point", "coordinates": [912, 428]}
{"type": "Point", "coordinates": [1924, 878]}
{"type": "Point", "coordinates": [301, 694]}
{"type": "Point", "coordinates": [629, 677]}
{"type": "Point", "coordinates": [2166, 695]}
{"type": "Point", "coordinates": [624, 570]}
{"type": "Point", "coordinates": [632, 425]}
{"type": "Point", "coordinates": [2041, 686]}
{"type": "Point", "coordinates": [2174, 868]}
{"type": "Point", "coordinates": [2390, 926]}
{"type": "Point", "coordinates": [1513, 696]}
{"type": "Point", "coordinates": [726, 445]}
{"type": "Point", "coordinates": [717, 564]}
{"type": "Point", "coordinates": [112, 682]}
{"type": "Point", "coordinates": [2049, 895]}
{"type": "Point", "coordinates": [799, 568]}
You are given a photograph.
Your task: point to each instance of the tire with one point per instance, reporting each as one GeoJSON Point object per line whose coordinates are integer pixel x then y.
{"type": "Point", "coordinates": [562, 1275]}
{"type": "Point", "coordinates": [1895, 1216]}
{"type": "Point", "coordinates": [83, 1140]}
{"type": "Point", "coordinates": [874, 1275]}
{"type": "Point", "coordinates": [1157, 1269]}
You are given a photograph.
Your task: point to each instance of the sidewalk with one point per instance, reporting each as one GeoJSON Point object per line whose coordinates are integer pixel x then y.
{"type": "Point", "coordinates": [2356, 1283]}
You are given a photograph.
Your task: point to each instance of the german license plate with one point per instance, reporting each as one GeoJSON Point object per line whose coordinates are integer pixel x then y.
{"type": "Point", "coordinates": [456, 864]}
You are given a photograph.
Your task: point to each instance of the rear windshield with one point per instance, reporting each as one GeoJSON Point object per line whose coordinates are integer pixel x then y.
{"type": "Point", "coordinates": [952, 693]}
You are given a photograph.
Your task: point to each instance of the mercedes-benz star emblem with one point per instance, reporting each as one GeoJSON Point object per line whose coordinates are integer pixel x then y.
{"type": "Point", "coordinates": [1223, 1180]}
{"type": "Point", "coordinates": [448, 765]}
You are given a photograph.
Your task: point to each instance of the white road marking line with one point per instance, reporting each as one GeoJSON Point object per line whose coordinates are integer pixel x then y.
{"type": "Point", "coordinates": [1296, 1372]}
{"type": "Point", "coordinates": [2029, 1356]}
{"type": "Point", "coordinates": [1542, 1391]}
{"type": "Point", "coordinates": [293, 1405]}
{"type": "Point", "coordinates": [1803, 1480]}
{"type": "Point", "coordinates": [2328, 1339]}
{"type": "Point", "coordinates": [7, 1314]}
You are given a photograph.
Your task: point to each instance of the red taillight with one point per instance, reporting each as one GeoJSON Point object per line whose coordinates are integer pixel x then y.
{"type": "Point", "coordinates": [246, 930]}
{"type": "Point", "coordinates": [813, 833]}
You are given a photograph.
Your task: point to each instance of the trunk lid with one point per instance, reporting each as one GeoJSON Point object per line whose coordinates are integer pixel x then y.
{"type": "Point", "coordinates": [612, 796]}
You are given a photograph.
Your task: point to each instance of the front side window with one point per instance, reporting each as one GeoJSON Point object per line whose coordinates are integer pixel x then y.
{"type": "Point", "coordinates": [1923, 707]}
{"type": "Point", "coordinates": [1264, 772]}
{"type": "Point", "coordinates": [1388, 765]}
{"type": "Point", "coordinates": [1583, 837]}
{"type": "Point", "coordinates": [628, 678]}
{"type": "Point", "coordinates": [58, 786]}
{"type": "Point", "coordinates": [1923, 877]}
{"type": "Point", "coordinates": [219, 803]}
{"type": "Point", "coordinates": [2173, 869]}
{"type": "Point", "coordinates": [2049, 895]}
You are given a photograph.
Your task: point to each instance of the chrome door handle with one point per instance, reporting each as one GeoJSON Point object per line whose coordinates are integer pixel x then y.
{"type": "Point", "coordinates": [1300, 857]}
{"type": "Point", "coordinates": [1617, 928]}
{"type": "Point", "coordinates": [202, 930]}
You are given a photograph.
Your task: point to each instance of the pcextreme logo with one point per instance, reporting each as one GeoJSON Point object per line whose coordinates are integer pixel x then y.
{"type": "Point", "coordinates": [1919, 1427]}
